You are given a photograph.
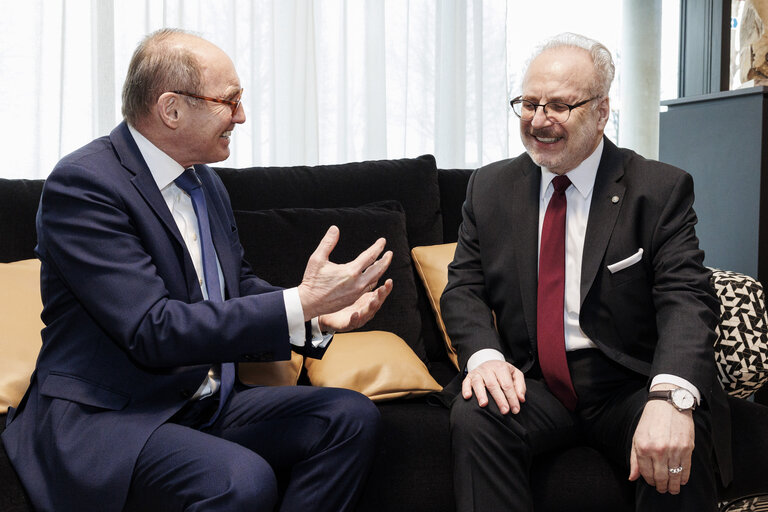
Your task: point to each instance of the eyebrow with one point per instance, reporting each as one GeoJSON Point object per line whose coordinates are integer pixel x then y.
{"type": "Point", "coordinates": [555, 99]}
{"type": "Point", "coordinates": [231, 92]}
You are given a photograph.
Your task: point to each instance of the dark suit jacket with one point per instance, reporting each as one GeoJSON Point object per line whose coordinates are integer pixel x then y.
{"type": "Point", "coordinates": [656, 316]}
{"type": "Point", "coordinates": [127, 339]}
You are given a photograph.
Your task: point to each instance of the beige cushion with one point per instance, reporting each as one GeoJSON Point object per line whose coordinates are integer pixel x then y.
{"type": "Point", "coordinates": [432, 265]}
{"type": "Point", "coordinates": [378, 364]}
{"type": "Point", "coordinates": [20, 308]}
{"type": "Point", "coordinates": [277, 373]}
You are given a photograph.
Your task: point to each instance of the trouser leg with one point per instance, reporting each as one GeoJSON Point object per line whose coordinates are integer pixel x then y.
{"type": "Point", "coordinates": [492, 452]}
{"type": "Point", "coordinates": [324, 438]}
{"type": "Point", "coordinates": [183, 469]}
{"type": "Point", "coordinates": [700, 493]}
{"type": "Point", "coordinates": [612, 401]}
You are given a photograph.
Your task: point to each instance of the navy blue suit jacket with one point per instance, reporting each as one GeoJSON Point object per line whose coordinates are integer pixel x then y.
{"type": "Point", "coordinates": [128, 338]}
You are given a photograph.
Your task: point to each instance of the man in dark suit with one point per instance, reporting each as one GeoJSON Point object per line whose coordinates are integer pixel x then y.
{"type": "Point", "coordinates": [579, 306]}
{"type": "Point", "coordinates": [147, 303]}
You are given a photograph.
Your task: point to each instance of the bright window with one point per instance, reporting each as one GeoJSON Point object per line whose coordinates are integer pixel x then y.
{"type": "Point", "coordinates": [325, 81]}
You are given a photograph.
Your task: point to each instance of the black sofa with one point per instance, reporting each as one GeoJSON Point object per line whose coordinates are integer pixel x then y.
{"type": "Point", "coordinates": [413, 467]}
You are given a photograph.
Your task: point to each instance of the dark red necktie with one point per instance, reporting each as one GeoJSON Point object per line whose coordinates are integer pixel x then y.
{"type": "Point", "coordinates": [550, 305]}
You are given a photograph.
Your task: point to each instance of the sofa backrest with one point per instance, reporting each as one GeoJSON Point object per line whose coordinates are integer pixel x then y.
{"type": "Point", "coordinates": [411, 181]}
{"type": "Point", "coordinates": [19, 200]}
{"type": "Point", "coordinates": [453, 190]}
{"type": "Point", "coordinates": [18, 207]}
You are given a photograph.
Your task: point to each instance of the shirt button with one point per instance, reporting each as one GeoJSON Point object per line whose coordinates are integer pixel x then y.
{"type": "Point", "coordinates": [200, 281]}
{"type": "Point", "coordinates": [194, 237]}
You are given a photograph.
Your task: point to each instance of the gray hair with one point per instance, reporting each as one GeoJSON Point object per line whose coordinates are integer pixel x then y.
{"type": "Point", "coordinates": [601, 58]}
{"type": "Point", "coordinates": [158, 66]}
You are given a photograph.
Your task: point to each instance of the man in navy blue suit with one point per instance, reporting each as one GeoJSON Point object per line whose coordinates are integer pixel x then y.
{"type": "Point", "coordinates": [129, 407]}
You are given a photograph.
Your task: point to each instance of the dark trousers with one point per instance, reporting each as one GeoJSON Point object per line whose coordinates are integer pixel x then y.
{"type": "Point", "coordinates": [492, 452]}
{"type": "Point", "coordinates": [322, 438]}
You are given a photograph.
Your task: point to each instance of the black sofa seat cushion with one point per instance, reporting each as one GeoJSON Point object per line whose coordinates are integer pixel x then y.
{"type": "Point", "coordinates": [278, 243]}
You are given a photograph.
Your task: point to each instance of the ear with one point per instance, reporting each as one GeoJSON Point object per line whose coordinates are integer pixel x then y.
{"type": "Point", "coordinates": [603, 111]}
{"type": "Point", "coordinates": [167, 108]}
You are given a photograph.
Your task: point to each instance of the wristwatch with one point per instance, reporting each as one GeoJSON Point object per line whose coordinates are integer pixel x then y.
{"type": "Point", "coordinates": [681, 398]}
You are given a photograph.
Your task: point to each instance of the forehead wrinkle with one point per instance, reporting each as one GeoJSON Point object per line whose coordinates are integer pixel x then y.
{"type": "Point", "coordinates": [217, 70]}
{"type": "Point", "coordinates": [559, 75]}
{"type": "Point", "coordinates": [224, 78]}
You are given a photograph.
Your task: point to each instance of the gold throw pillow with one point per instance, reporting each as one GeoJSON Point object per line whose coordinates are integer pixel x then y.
{"type": "Point", "coordinates": [378, 364]}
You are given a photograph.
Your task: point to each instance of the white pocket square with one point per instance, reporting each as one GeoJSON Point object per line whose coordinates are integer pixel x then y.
{"type": "Point", "coordinates": [626, 262]}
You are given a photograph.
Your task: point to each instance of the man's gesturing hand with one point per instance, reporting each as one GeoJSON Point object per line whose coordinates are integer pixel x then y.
{"type": "Point", "coordinates": [345, 291]}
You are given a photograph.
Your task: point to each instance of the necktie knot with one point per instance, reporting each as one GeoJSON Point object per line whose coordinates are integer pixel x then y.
{"type": "Point", "coordinates": [188, 181]}
{"type": "Point", "coordinates": [561, 183]}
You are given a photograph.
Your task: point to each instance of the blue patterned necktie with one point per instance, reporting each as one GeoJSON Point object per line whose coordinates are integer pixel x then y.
{"type": "Point", "coordinates": [190, 183]}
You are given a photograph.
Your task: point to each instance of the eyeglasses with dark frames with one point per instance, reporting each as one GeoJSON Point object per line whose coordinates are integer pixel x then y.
{"type": "Point", "coordinates": [556, 111]}
{"type": "Point", "coordinates": [233, 104]}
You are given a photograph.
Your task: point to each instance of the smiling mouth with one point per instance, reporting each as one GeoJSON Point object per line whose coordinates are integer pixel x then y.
{"type": "Point", "coordinates": [547, 140]}
{"type": "Point", "coordinates": [226, 134]}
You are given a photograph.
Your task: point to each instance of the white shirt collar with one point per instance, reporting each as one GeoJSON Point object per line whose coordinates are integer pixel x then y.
{"type": "Point", "coordinates": [163, 168]}
{"type": "Point", "coordinates": [582, 176]}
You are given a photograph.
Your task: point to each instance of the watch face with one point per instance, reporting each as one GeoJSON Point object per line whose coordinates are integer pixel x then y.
{"type": "Point", "coordinates": [683, 399]}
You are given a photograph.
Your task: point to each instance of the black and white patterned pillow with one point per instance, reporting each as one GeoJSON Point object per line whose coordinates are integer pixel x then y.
{"type": "Point", "coordinates": [741, 348]}
{"type": "Point", "coordinates": [758, 503]}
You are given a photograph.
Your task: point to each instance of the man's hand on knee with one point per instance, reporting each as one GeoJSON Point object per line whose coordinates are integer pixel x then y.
{"type": "Point", "coordinates": [662, 445]}
{"type": "Point", "coordinates": [504, 382]}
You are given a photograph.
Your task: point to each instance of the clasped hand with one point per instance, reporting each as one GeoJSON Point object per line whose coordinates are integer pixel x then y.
{"type": "Point", "coordinates": [344, 296]}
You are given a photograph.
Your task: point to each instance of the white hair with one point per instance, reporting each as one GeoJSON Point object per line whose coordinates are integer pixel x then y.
{"type": "Point", "coordinates": [601, 58]}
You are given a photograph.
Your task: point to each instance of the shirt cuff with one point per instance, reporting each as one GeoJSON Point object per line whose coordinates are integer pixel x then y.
{"type": "Point", "coordinates": [320, 339]}
{"type": "Point", "coordinates": [294, 314]}
{"type": "Point", "coordinates": [297, 332]}
{"type": "Point", "coordinates": [483, 355]}
{"type": "Point", "coordinates": [665, 378]}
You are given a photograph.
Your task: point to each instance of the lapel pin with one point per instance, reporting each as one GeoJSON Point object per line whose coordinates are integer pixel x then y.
{"type": "Point", "coordinates": [615, 199]}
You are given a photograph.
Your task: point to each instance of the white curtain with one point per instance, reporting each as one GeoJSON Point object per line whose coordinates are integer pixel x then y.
{"type": "Point", "coordinates": [326, 81]}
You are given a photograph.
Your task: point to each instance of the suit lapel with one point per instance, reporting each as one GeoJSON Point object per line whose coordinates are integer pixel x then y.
{"type": "Point", "coordinates": [607, 198]}
{"type": "Point", "coordinates": [524, 202]}
{"type": "Point", "coordinates": [131, 159]}
{"type": "Point", "coordinates": [130, 156]}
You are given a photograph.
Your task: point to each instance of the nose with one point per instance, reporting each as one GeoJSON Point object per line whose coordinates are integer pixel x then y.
{"type": "Point", "coordinates": [239, 115]}
{"type": "Point", "coordinates": [540, 119]}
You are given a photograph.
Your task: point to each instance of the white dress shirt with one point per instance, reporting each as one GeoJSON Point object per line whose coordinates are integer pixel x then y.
{"type": "Point", "coordinates": [579, 199]}
{"type": "Point", "coordinates": [165, 170]}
